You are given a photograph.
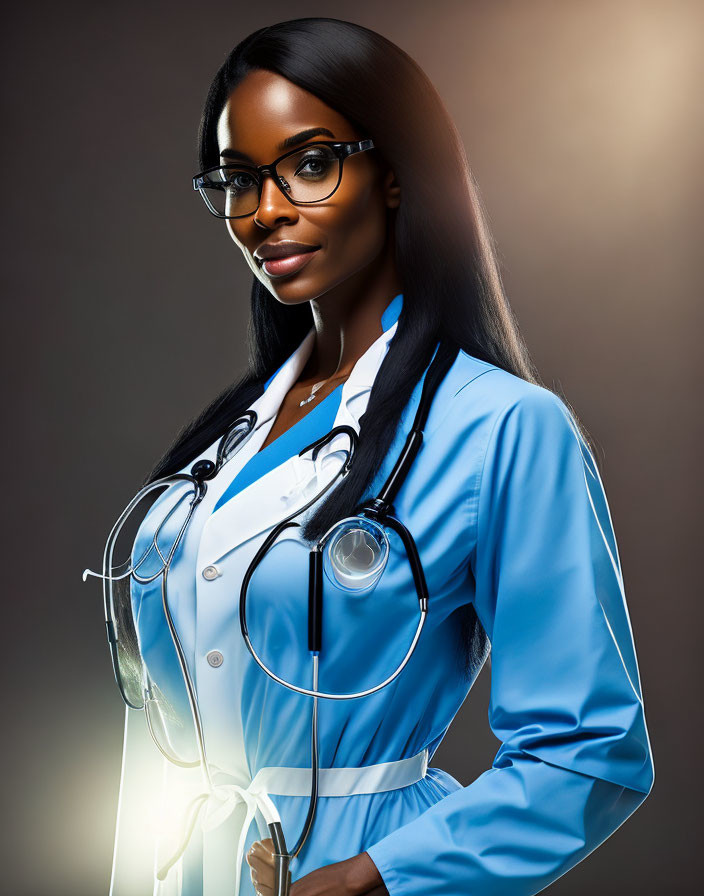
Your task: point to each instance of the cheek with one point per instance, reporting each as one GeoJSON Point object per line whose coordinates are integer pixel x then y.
{"type": "Point", "coordinates": [356, 231]}
{"type": "Point", "coordinates": [234, 230]}
{"type": "Point", "coordinates": [237, 234]}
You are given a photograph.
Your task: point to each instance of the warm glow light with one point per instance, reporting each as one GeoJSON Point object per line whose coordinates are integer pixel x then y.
{"type": "Point", "coordinates": [154, 795]}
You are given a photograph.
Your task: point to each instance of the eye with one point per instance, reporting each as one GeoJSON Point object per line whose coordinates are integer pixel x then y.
{"type": "Point", "coordinates": [315, 165]}
{"type": "Point", "coordinates": [240, 180]}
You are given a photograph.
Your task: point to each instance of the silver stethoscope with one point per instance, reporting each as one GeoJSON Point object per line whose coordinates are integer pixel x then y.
{"type": "Point", "coordinates": [352, 554]}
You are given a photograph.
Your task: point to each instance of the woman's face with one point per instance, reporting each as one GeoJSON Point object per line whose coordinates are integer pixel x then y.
{"type": "Point", "coordinates": [350, 227]}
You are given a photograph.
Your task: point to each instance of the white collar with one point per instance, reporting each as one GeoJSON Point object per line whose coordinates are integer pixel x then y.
{"type": "Point", "coordinates": [358, 383]}
{"type": "Point", "coordinates": [264, 502]}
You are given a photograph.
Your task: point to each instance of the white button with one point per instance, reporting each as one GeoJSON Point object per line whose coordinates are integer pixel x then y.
{"type": "Point", "coordinates": [211, 572]}
{"type": "Point", "coordinates": [215, 658]}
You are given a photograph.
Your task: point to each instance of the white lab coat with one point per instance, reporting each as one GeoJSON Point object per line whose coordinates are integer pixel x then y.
{"type": "Point", "coordinates": [507, 509]}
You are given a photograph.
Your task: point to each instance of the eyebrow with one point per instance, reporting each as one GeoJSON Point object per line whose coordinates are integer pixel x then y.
{"type": "Point", "coordinates": [294, 140]}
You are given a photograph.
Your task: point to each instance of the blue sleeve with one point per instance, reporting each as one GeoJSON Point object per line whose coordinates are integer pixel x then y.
{"type": "Point", "coordinates": [575, 760]}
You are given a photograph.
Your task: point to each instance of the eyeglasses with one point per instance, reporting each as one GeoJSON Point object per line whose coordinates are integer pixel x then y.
{"type": "Point", "coordinates": [306, 175]}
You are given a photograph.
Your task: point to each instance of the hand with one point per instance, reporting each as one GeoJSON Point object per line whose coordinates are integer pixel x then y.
{"type": "Point", "coordinates": [261, 864]}
{"type": "Point", "coordinates": [357, 876]}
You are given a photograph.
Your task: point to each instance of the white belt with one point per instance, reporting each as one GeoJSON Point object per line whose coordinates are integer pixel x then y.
{"type": "Point", "coordinates": [213, 808]}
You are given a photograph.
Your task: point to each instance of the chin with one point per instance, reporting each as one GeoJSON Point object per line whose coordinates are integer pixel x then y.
{"type": "Point", "coordinates": [296, 290]}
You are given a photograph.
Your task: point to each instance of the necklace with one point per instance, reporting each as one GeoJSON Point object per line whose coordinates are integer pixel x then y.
{"type": "Point", "coordinates": [316, 387]}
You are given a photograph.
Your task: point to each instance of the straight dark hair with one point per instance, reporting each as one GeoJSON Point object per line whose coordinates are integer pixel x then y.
{"type": "Point", "coordinates": [444, 252]}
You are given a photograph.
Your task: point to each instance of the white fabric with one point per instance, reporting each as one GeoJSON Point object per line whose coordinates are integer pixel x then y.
{"type": "Point", "coordinates": [227, 538]}
{"type": "Point", "coordinates": [344, 781]}
{"type": "Point", "coordinates": [211, 810]}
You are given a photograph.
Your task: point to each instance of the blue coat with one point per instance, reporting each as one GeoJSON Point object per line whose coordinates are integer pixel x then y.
{"type": "Point", "coordinates": [509, 513]}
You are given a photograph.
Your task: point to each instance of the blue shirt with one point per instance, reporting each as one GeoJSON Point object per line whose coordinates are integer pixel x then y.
{"type": "Point", "coordinates": [509, 514]}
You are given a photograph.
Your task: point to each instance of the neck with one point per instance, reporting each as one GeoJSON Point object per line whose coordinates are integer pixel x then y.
{"type": "Point", "coordinates": [347, 320]}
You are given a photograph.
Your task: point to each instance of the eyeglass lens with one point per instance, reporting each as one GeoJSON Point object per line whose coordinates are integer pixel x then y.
{"type": "Point", "coordinates": [309, 175]}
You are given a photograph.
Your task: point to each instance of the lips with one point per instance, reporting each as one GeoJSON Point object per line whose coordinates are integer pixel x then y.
{"type": "Point", "coordinates": [290, 263]}
{"type": "Point", "coordinates": [282, 248]}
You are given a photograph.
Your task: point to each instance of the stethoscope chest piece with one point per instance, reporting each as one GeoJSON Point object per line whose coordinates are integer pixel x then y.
{"type": "Point", "coordinates": [355, 554]}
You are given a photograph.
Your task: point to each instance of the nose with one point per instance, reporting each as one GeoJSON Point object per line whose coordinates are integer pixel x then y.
{"type": "Point", "coordinates": [274, 207]}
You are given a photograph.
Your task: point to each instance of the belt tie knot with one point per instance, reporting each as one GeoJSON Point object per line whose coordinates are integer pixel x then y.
{"type": "Point", "coordinates": [212, 808]}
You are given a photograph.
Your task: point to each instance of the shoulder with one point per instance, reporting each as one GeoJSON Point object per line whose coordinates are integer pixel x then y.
{"type": "Point", "coordinates": [480, 397]}
{"type": "Point", "coordinates": [485, 420]}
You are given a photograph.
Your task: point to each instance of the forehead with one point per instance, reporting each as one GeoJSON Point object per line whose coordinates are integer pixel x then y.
{"type": "Point", "coordinates": [265, 108]}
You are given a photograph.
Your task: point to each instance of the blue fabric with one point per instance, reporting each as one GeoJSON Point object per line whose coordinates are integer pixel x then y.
{"type": "Point", "coordinates": [566, 702]}
{"type": "Point", "coordinates": [509, 514]}
{"type": "Point", "coordinates": [306, 430]}
{"type": "Point", "coordinates": [392, 312]}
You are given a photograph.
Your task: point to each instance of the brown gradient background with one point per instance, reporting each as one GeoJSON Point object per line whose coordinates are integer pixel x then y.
{"type": "Point", "coordinates": [125, 307]}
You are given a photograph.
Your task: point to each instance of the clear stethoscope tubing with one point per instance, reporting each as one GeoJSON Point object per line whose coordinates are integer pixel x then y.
{"type": "Point", "coordinates": [372, 515]}
{"type": "Point", "coordinates": [200, 472]}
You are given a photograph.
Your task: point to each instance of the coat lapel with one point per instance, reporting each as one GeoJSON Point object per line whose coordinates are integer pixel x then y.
{"type": "Point", "coordinates": [288, 487]}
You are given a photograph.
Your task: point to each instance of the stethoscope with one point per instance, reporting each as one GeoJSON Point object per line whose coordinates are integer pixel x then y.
{"type": "Point", "coordinates": [352, 554]}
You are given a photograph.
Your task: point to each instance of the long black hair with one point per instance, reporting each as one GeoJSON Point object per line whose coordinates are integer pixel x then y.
{"type": "Point", "coordinates": [444, 252]}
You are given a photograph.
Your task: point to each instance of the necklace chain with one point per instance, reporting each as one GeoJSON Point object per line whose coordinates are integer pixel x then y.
{"type": "Point", "coordinates": [314, 390]}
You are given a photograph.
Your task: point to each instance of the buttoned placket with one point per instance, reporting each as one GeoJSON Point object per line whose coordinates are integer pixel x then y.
{"type": "Point", "coordinates": [294, 481]}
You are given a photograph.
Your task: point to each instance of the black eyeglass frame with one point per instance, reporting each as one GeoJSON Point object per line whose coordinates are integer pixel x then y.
{"type": "Point", "coordinates": [341, 149]}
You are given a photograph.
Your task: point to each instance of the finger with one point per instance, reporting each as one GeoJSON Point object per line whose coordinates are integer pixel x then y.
{"type": "Point", "coordinates": [266, 842]}
{"type": "Point", "coordinates": [261, 866]}
{"type": "Point", "coordinates": [259, 880]}
{"type": "Point", "coordinates": [267, 845]}
{"type": "Point", "coordinates": [264, 846]}
{"type": "Point", "coordinates": [262, 851]}
{"type": "Point", "coordinates": [262, 887]}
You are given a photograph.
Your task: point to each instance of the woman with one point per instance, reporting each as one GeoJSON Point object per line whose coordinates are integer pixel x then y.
{"type": "Point", "coordinates": [353, 292]}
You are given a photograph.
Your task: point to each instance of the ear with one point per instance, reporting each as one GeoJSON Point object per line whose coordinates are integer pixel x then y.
{"type": "Point", "coordinates": [392, 190]}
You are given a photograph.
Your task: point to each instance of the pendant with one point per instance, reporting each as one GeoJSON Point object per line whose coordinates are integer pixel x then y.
{"type": "Point", "coordinates": [312, 394]}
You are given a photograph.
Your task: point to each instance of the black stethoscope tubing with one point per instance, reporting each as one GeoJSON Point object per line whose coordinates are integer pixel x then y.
{"type": "Point", "coordinates": [379, 509]}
